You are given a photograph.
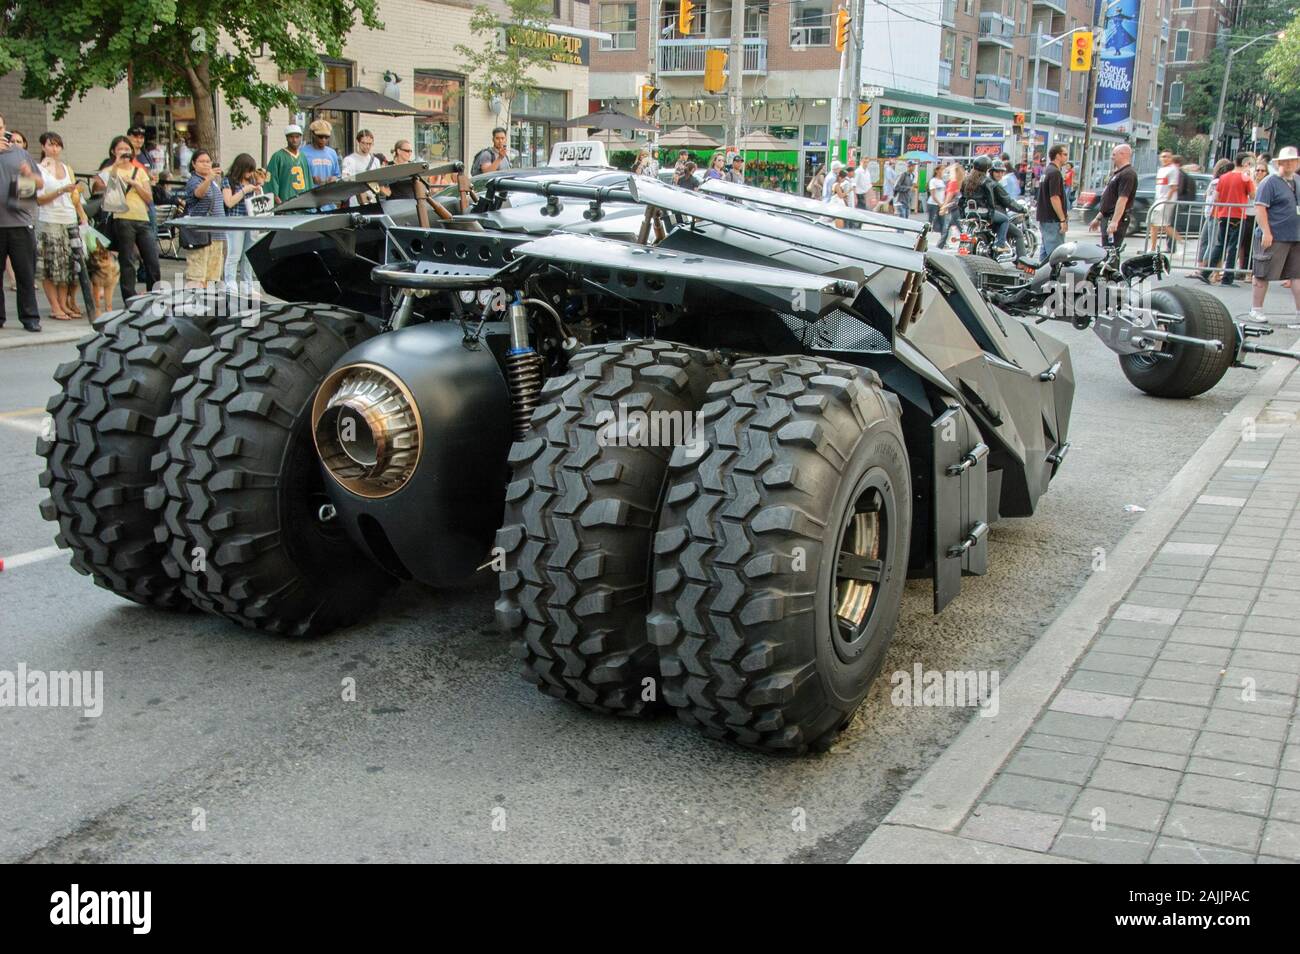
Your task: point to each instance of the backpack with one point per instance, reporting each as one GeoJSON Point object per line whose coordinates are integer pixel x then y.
{"type": "Point", "coordinates": [1186, 186]}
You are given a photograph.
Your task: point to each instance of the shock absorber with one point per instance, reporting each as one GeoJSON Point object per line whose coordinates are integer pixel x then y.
{"type": "Point", "coordinates": [523, 369]}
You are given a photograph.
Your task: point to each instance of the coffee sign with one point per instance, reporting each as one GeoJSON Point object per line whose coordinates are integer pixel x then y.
{"type": "Point", "coordinates": [559, 47]}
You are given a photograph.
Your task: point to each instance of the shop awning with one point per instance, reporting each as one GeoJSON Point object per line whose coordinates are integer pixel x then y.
{"type": "Point", "coordinates": [688, 137]}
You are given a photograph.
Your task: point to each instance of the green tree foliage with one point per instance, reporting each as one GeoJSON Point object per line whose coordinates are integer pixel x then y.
{"type": "Point", "coordinates": [191, 48]}
{"type": "Point", "coordinates": [499, 66]}
{"type": "Point", "coordinates": [1253, 98]}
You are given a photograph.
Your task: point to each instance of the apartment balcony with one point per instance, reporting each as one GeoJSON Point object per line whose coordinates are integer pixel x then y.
{"type": "Point", "coordinates": [1051, 52]}
{"type": "Point", "coordinates": [948, 15]}
{"type": "Point", "coordinates": [992, 89]}
{"type": "Point", "coordinates": [686, 57]}
{"type": "Point", "coordinates": [1060, 6]}
{"type": "Point", "coordinates": [945, 74]}
{"type": "Point", "coordinates": [995, 28]}
{"type": "Point", "coordinates": [1049, 101]}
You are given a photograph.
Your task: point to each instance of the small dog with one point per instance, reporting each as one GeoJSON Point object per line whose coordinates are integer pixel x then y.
{"type": "Point", "coordinates": [104, 273]}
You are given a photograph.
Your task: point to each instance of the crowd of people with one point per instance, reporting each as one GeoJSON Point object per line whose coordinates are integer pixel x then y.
{"type": "Point", "coordinates": [41, 224]}
{"type": "Point", "coordinates": [41, 227]}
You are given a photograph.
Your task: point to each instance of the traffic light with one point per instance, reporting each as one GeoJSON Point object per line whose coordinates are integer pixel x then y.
{"type": "Point", "coordinates": [685, 16]}
{"type": "Point", "coordinates": [864, 114]}
{"type": "Point", "coordinates": [1081, 52]}
{"type": "Point", "coordinates": [715, 70]}
{"type": "Point", "coordinates": [649, 101]}
{"type": "Point", "coordinates": [841, 30]}
{"type": "Point", "coordinates": [1018, 123]}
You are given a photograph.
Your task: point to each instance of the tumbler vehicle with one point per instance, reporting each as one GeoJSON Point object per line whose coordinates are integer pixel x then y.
{"type": "Point", "coordinates": [702, 439]}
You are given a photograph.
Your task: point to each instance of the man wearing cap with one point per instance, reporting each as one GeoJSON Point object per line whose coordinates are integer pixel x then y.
{"type": "Point", "coordinates": [290, 172]}
{"type": "Point", "coordinates": [904, 194]}
{"type": "Point", "coordinates": [737, 171]}
{"type": "Point", "coordinates": [321, 157]}
{"type": "Point", "coordinates": [136, 134]}
{"type": "Point", "coordinates": [1277, 232]}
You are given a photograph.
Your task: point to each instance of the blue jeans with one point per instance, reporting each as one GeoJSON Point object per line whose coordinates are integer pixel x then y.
{"type": "Point", "coordinates": [1003, 222]}
{"type": "Point", "coordinates": [1053, 238]}
{"type": "Point", "coordinates": [238, 274]}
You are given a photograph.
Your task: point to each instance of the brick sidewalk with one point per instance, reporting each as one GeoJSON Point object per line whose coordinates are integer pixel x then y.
{"type": "Point", "coordinates": [1174, 737]}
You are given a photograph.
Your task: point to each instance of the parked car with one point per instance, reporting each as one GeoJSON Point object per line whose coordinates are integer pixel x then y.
{"type": "Point", "coordinates": [1188, 218]}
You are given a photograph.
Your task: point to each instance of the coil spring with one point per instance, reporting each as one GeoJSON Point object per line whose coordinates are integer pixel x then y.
{"type": "Point", "coordinates": [524, 379]}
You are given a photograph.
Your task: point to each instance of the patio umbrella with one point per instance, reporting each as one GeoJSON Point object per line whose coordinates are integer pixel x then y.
{"type": "Point", "coordinates": [920, 155]}
{"type": "Point", "coordinates": [606, 118]}
{"type": "Point", "coordinates": [358, 99]}
{"type": "Point", "coordinates": [763, 141]}
{"type": "Point", "coordinates": [688, 137]}
{"type": "Point", "coordinates": [613, 141]}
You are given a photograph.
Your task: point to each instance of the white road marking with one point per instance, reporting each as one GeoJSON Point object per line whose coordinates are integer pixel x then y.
{"type": "Point", "coordinates": [23, 424]}
{"type": "Point", "coordinates": [31, 556]}
{"type": "Point", "coordinates": [31, 419]}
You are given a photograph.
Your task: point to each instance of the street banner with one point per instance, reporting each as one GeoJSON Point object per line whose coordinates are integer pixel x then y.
{"type": "Point", "coordinates": [1118, 63]}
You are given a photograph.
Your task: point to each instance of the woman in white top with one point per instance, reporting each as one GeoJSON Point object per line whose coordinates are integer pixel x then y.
{"type": "Point", "coordinates": [58, 210]}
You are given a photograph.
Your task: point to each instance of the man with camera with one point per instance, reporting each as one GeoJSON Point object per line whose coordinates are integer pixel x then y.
{"type": "Point", "coordinates": [20, 180]}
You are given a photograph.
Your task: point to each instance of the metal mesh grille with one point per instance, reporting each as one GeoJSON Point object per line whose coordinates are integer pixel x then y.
{"type": "Point", "coordinates": [838, 331]}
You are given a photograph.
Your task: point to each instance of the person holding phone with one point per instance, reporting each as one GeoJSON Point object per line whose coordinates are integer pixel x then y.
{"type": "Point", "coordinates": [205, 256]}
{"type": "Point", "coordinates": [242, 195]}
{"type": "Point", "coordinates": [128, 194]}
{"type": "Point", "coordinates": [57, 218]}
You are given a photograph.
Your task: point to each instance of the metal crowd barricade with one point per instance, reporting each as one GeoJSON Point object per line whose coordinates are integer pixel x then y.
{"type": "Point", "coordinates": [1210, 236]}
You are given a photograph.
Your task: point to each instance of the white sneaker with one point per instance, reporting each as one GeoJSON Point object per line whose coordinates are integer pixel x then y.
{"type": "Point", "coordinates": [1257, 316]}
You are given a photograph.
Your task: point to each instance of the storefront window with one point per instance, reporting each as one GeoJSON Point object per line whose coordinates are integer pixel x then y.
{"type": "Point", "coordinates": [335, 76]}
{"type": "Point", "coordinates": [535, 125]}
{"type": "Point", "coordinates": [961, 137]}
{"type": "Point", "coordinates": [441, 135]}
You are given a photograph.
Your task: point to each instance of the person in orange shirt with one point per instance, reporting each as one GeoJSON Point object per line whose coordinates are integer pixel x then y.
{"type": "Point", "coordinates": [1235, 191]}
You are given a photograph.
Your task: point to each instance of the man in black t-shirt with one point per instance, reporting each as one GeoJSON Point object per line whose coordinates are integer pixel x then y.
{"type": "Point", "coordinates": [1117, 199]}
{"type": "Point", "coordinates": [1052, 211]}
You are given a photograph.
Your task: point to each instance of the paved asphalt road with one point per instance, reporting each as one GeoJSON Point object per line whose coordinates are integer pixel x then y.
{"type": "Point", "coordinates": [249, 733]}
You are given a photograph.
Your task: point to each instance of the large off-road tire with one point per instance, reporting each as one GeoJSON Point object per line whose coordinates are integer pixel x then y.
{"type": "Point", "coordinates": [749, 570]}
{"type": "Point", "coordinates": [580, 518]}
{"type": "Point", "coordinates": [100, 450]}
{"type": "Point", "coordinates": [1191, 370]}
{"type": "Point", "coordinates": [977, 265]}
{"type": "Point", "coordinates": [240, 484]}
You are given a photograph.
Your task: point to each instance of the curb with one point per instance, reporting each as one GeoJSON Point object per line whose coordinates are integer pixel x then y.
{"type": "Point", "coordinates": [941, 799]}
{"type": "Point", "coordinates": [28, 340]}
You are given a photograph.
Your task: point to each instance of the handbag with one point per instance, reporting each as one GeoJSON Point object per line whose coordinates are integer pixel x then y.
{"type": "Point", "coordinates": [114, 196]}
{"type": "Point", "coordinates": [195, 238]}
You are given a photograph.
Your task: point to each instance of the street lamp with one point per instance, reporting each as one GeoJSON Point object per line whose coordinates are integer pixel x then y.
{"type": "Point", "coordinates": [1038, 62]}
{"type": "Point", "coordinates": [1223, 90]}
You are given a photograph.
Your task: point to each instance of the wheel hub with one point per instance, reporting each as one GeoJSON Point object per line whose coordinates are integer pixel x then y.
{"type": "Point", "coordinates": [860, 568]}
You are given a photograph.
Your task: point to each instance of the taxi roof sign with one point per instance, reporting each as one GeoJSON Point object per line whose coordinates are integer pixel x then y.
{"type": "Point", "coordinates": [582, 152]}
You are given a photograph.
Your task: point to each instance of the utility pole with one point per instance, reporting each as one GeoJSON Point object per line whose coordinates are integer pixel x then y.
{"type": "Point", "coordinates": [1217, 129]}
{"type": "Point", "coordinates": [849, 116]}
{"type": "Point", "coordinates": [1042, 42]}
{"type": "Point", "coordinates": [652, 74]}
{"type": "Point", "coordinates": [736, 72]}
{"type": "Point", "coordinates": [837, 101]}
